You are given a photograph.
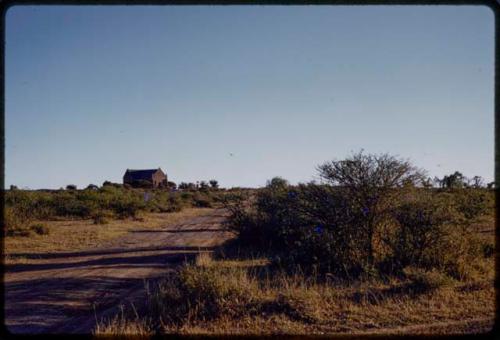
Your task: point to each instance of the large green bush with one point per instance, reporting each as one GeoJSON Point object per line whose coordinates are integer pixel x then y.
{"type": "Point", "coordinates": [371, 216]}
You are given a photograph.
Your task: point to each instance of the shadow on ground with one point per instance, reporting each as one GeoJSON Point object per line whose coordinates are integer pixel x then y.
{"type": "Point", "coordinates": [102, 252]}
{"type": "Point", "coordinates": [38, 305]}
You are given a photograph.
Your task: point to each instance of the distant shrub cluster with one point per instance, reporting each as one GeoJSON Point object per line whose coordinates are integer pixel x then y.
{"type": "Point", "coordinates": [112, 200]}
{"type": "Point", "coordinates": [200, 185]}
{"type": "Point", "coordinates": [372, 215]}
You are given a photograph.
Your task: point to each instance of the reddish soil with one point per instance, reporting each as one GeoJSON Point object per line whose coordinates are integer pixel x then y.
{"type": "Point", "coordinates": [67, 292]}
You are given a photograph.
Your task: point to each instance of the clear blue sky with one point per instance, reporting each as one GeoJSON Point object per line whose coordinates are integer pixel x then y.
{"type": "Point", "coordinates": [92, 91]}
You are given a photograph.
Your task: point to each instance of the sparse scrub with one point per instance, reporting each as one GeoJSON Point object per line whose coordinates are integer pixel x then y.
{"type": "Point", "coordinates": [225, 297]}
{"type": "Point", "coordinates": [201, 292]}
{"type": "Point", "coordinates": [16, 222]}
{"type": "Point", "coordinates": [474, 202]}
{"type": "Point", "coordinates": [99, 204]}
{"type": "Point", "coordinates": [422, 281]}
{"type": "Point", "coordinates": [202, 200]}
{"type": "Point", "coordinates": [124, 324]}
{"type": "Point", "coordinates": [215, 289]}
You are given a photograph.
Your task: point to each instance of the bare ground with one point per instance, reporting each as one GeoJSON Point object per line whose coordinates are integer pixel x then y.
{"type": "Point", "coordinates": [68, 292]}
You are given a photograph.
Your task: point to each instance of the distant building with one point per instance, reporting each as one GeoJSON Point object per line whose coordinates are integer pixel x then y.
{"type": "Point", "coordinates": [139, 178]}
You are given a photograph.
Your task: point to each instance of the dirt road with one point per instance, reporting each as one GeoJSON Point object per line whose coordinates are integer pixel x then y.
{"type": "Point", "coordinates": [67, 292]}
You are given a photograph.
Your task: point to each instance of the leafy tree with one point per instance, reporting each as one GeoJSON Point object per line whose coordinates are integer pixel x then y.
{"type": "Point", "coordinates": [455, 180]}
{"type": "Point", "coordinates": [214, 184]}
{"type": "Point", "coordinates": [277, 182]}
{"type": "Point", "coordinates": [368, 182]}
{"type": "Point", "coordinates": [477, 182]}
{"type": "Point", "coordinates": [70, 187]}
{"type": "Point", "coordinates": [203, 185]}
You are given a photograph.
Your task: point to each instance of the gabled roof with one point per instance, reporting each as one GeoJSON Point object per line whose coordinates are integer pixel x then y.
{"type": "Point", "coordinates": [141, 174]}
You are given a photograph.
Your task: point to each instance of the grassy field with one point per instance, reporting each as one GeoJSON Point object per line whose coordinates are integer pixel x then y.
{"type": "Point", "coordinates": [247, 297]}
{"type": "Point", "coordinates": [78, 234]}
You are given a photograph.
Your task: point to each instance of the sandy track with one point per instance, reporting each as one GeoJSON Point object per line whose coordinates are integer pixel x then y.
{"type": "Point", "coordinates": [57, 293]}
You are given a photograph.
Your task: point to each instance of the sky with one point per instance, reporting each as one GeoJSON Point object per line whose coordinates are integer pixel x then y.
{"type": "Point", "coordinates": [241, 94]}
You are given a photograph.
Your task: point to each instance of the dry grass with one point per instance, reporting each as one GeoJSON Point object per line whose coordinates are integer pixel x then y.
{"type": "Point", "coordinates": [321, 309]}
{"type": "Point", "coordinates": [227, 297]}
{"type": "Point", "coordinates": [72, 235]}
{"type": "Point", "coordinates": [119, 325]}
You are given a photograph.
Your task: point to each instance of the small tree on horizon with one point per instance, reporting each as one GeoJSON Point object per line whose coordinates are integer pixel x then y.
{"type": "Point", "coordinates": [477, 182]}
{"type": "Point", "coordinates": [454, 181]}
{"type": "Point", "coordinates": [203, 185]}
{"type": "Point", "coordinates": [187, 186]}
{"type": "Point", "coordinates": [214, 184]}
{"type": "Point", "coordinates": [277, 182]}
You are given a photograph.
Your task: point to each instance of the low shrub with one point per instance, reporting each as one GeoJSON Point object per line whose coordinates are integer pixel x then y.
{"type": "Point", "coordinates": [16, 222]}
{"type": "Point", "coordinates": [202, 200]}
{"type": "Point", "coordinates": [203, 292]}
{"type": "Point", "coordinates": [421, 232]}
{"type": "Point", "coordinates": [298, 304]}
{"type": "Point", "coordinates": [215, 290]}
{"type": "Point", "coordinates": [127, 206]}
{"type": "Point", "coordinates": [73, 207]}
{"type": "Point", "coordinates": [474, 202]}
{"type": "Point", "coordinates": [460, 256]}
{"type": "Point", "coordinates": [423, 281]}
{"type": "Point", "coordinates": [102, 217]}
{"type": "Point", "coordinates": [165, 202]}
{"type": "Point", "coordinates": [174, 204]}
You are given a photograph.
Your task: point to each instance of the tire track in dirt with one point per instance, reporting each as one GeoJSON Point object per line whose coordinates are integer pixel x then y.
{"type": "Point", "coordinates": [56, 293]}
